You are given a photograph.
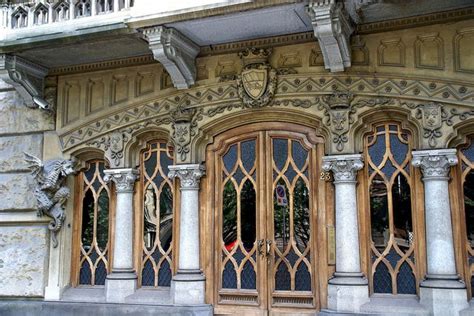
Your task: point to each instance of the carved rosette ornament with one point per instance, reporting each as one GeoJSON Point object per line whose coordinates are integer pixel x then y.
{"type": "Point", "coordinates": [124, 179]}
{"type": "Point", "coordinates": [435, 164]}
{"type": "Point", "coordinates": [51, 191]}
{"type": "Point", "coordinates": [344, 168]}
{"type": "Point", "coordinates": [258, 80]}
{"type": "Point", "coordinates": [189, 175]}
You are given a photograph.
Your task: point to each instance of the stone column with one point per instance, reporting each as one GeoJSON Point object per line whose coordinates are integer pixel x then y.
{"type": "Point", "coordinates": [187, 286]}
{"type": "Point", "coordinates": [348, 289]}
{"type": "Point", "coordinates": [122, 281]}
{"type": "Point", "coordinates": [442, 291]}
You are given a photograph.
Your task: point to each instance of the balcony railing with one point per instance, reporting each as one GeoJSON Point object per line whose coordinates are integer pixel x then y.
{"type": "Point", "coordinates": [41, 12]}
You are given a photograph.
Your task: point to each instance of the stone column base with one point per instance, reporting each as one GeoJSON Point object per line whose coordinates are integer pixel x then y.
{"type": "Point", "coordinates": [448, 301]}
{"type": "Point", "coordinates": [52, 293]}
{"type": "Point", "coordinates": [188, 288]}
{"type": "Point", "coordinates": [119, 285]}
{"type": "Point", "coordinates": [344, 297]}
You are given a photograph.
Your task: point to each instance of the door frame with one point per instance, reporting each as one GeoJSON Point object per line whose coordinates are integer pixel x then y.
{"type": "Point", "coordinates": [321, 190]}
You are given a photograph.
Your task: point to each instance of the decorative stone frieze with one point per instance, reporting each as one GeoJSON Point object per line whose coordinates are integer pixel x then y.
{"type": "Point", "coordinates": [51, 191]}
{"type": "Point", "coordinates": [124, 179]}
{"type": "Point", "coordinates": [189, 175]}
{"type": "Point", "coordinates": [435, 163]}
{"type": "Point", "coordinates": [344, 168]}
{"type": "Point", "coordinates": [28, 80]}
{"type": "Point", "coordinates": [175, 52]}
{"type": "Point", "coordinates": [333, 29]}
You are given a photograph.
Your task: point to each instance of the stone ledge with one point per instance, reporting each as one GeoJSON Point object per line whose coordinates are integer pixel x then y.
{"type": "Point", "coordinates": [26, 308]}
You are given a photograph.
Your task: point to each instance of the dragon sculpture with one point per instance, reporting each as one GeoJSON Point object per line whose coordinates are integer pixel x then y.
{"type": "Point", "coordinates": [51, 192]}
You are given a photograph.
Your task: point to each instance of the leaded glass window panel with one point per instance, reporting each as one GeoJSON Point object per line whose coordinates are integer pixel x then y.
{"type": "Point", "coordinates": [158, 215]}
{"type": "Point", "coordinates": [388, 152]}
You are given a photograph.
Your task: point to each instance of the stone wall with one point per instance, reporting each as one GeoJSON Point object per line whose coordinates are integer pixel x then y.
{"type": "Point", "coordinates": [24, 238]}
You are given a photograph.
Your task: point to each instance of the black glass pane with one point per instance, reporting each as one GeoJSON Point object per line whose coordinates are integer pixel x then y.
{"type": "Point", "coordinates": [229, 220]}
{"type": "Point", "coordinates": [469, 206]}
{"type": "Point", "coordinates": [148, 274]}
{"type": "Point", "coordinates": [302, 278]}
{"type": "Point", "coordinates": [166, 217]}
{"type": "Point", "coordinates": [281, 218]}
{"type": "Point", "coordinates": [85, 275]}
{"type": "Point", "coordinates": [164, 274]}
{"type": "Point", "coordinates": [377, 150]}
{"type": "Point", "coordinates": [229, 277]}
{"type": "Point", "coordinates": [388, 169]}
{"type": "Point", "coordinates": [230, 158]}
{"type": "Point", "coordinates": [379, 212]}
{"type": "Point", "coordinates": [469, 152]}
{"type": "Point", "coordinates": [248, 279]}
{"type": "Point", "coordinates": [89, 173]}
{"type": "Point", "coordinates": [103, 220]}
{"type": "Point", "coordinates": [382, 279]}
{"type": "Point", "coordinates": [292, 257]}
{"type": "Point", "coordinates": [150, 163]}
{"type": "Point", "coordinates": [401, 200]}
{"type": "Point", "coordinates": [238, 175]}
{"type": "Point", "coordinates": [87, 233]}
{"type": "Point", "coordinates": [100, 273]}
{"type": "Point", "coordinates": [393, 257]}
{"type": "Point", "coordinates": [248, 154]}
{"type": "Point", "coordinates": [399, 150]}
{"type": "Point", "coordinates": [280, 152]}
{"type": "Point", "coordinates": [238, 256]}
{"type": "Point", "coordinates": [290, 173]}
{"type": "Point", "coordinates": [301, 215]}
{"type": "Point", "coordinates": [299, 154]}
{"type": "Point", "coordinates": [165, 162]}
{"type": "Point", "coordinates": [282, 278]}
{"type": "Point", "coordinates": [150, 217]}
{"type": "Point", "coordinates": [248, 209]}
{"type": "Point", "coordinates": [156, 255]}
{"type": "Point", "coordinates": [406, 283]}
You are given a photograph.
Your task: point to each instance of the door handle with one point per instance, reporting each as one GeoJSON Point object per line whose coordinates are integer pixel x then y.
{"type": "Point", "coordinates": [260, 244]}
{"type": "Point", "coordinates": [269, 247]}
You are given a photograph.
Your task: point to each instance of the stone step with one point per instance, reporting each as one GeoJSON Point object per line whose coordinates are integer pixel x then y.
{"type": "Point", "coordinates": [43, 308]}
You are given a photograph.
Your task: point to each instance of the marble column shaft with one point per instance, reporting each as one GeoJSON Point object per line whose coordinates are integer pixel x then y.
{"type": "Point", "coordinates": [344, 169]}
{"type": "Point", "coordinates": [435, 166]}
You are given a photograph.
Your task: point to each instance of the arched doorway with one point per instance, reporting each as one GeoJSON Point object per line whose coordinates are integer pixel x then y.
{"type": "Point", "coordinates": [265, 186]}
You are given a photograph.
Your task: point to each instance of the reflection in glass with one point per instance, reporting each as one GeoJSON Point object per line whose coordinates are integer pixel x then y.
{"type": "Point", "coordinates": [166, 217]}
{"type": "Point", "coordinates": [403, 231]}
{"type": "Point", "coordinates": [149, 229]}
{"type": "Point", "coordinates": [87, 220]}
{"type": "Point", "coordinates": [379, 212]}
{"type": "Point", "coordinates": [229, 212]}
{"type": "Point", "coordinates": [103, 220]}
{"type": "Point", "coordinates": [281, 219]}
{"type": "Point", "coordinates": [301, 215]}
{"type": "Point", "coordinates": [469, 205]}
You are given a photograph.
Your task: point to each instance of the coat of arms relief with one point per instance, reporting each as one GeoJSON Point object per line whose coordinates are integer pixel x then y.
{"type": "Point", "coordinates": [258, 80]}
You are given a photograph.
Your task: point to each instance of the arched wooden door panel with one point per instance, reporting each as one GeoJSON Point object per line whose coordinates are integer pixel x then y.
{"type": "Point", "coordinates": [265, 201]}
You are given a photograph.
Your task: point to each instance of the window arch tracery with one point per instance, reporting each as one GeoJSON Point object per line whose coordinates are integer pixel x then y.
{"type": "Point", "coordinates": [390, 187]}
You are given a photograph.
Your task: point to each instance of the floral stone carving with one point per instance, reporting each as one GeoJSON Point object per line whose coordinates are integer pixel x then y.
{"type": "Point", "coordinates": [51, 192]}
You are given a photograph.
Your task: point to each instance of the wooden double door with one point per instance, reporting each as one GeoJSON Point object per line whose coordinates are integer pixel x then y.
{"type": "Point", "coordinates": [266, 210]}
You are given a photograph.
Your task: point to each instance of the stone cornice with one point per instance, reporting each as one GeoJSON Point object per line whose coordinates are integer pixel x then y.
{"type": "Point", "coordinates": [175, 52]}
{"type": "Point", "coordinates": [435, 164]}
{"type": "Point", "coordinates": [344, 167]}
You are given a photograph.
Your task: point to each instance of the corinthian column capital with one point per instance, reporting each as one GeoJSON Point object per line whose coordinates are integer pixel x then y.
{"type": "Point", "coordinates": [124, 179]}
{"type": "Point", "coordinates": [343, 167]}
{"type": "Point", "coordinates": [188, 174]}
{"type": "Point", "coordinates": [435, 164]}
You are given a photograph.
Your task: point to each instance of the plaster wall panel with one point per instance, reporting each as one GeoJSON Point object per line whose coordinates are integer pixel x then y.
{"type": "Point", "coordinates": [16, 118]}
{"type": "Point", "coordinates": [23, 254]}
{"type": "Point", "coordinates": [17, 192]}
{"type": "Point", "coordinates": [12, 149]}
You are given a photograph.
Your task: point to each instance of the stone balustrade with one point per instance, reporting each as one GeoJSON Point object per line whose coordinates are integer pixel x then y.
{"type": "Point", "coordinates": [40, 12]}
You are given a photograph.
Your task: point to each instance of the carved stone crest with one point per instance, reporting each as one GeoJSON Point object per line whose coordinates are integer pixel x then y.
{"type": "Point", "coordinates": [183, 131]}
{"type": "Point", "coordinates": [257, 82]}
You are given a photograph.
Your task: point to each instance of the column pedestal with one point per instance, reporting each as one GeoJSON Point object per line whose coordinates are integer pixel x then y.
{"type": "Point", "coordinates": [348, 289]}
{"type": "Point", "coordinates": [122, 281]}
{"type": "Point", "coordinates": [188, 285]}
{"type": "Point", "coordinates": [442, 292]}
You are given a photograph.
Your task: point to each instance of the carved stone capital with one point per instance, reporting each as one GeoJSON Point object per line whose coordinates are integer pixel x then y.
{"type": "Point", "coordinates": [435, 164]}
{"type": "Point", "coordinates": [343, 167]}
{"type": "Point", "coordinates": [332, 28]}
{"type": "Point", "coordinates": [175, 52]}
{"type": "Point", "coordinates": [124, 179]}
{"type": "Point", "coordinates": [27, 78]}
{"type": "Point", "coordinates": [188, 174]}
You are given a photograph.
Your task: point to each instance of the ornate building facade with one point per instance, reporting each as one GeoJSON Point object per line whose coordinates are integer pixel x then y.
{"type": "Point", "coordinates": [237, 157]}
